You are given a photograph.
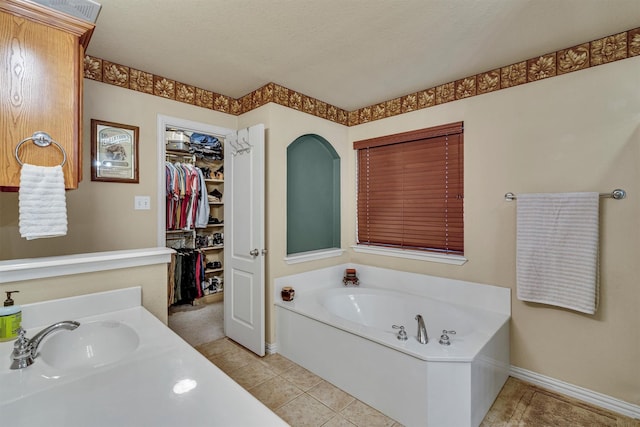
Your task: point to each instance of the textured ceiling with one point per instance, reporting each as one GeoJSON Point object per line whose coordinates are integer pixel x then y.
{"type": "Point", "coordinates": [349, 53]}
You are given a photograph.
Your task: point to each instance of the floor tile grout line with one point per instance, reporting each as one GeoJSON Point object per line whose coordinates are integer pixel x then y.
{"type": "Point", "coordinates": [303, 392]}
{"type": "Point", "coordinates": [321, 402]}
{"type": "Point", "coordinates": [334, 416]}
{"type": "Point", "coordinates": [290, 383]}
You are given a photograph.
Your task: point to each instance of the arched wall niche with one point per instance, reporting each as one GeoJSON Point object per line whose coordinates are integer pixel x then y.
{"type": "Point", "coordinates": [313, 195]}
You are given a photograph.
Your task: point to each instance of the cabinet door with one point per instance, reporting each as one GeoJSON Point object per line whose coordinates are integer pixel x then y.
{"type": "Point", "coordinates": [40, 91]}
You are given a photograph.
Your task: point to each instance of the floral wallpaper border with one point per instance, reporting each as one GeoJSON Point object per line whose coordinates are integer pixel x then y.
{"type": "Point", "coordinates": [590, 54]}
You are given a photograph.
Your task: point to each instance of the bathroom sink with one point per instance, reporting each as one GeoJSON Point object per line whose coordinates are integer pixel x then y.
{"type": "Point", "coordinates": [92, 344]}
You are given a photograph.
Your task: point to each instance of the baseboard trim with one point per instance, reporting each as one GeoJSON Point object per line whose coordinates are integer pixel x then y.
{"type": "Point", "coordinates": [586, 395]}
{"type": "Point", "coordinates": [271, 348]}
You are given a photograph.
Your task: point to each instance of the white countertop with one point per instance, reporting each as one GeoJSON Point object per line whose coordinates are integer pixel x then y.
{"type": "Point", "coordinates": [164, 382]}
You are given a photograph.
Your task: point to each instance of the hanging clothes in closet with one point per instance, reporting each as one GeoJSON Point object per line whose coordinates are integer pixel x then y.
{"type": "Point", "coordinates": [186, 194]}
{"type": "Point", "coordinates": [187, 208]}
{"type": "Point", "coordinates": [187, 277]}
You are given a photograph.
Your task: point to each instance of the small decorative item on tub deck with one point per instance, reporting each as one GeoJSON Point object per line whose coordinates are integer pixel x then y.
{"type": "Point", "coordinates": [287, 293]}
{"type": "Point", "coordinates": [350, 277]}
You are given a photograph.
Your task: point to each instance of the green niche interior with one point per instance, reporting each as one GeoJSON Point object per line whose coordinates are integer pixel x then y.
{"type": "Point", "coordinates": [313, 195]}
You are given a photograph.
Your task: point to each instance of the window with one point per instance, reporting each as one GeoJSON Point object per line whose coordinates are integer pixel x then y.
{"type": "Point", "coordinates": [410, 190]}
{"type": "Point", "coordinates": [313, 195]}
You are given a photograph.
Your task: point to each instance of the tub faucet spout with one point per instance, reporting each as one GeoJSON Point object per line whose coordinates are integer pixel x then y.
{"type": "Point", "coordinates": [423, 338]}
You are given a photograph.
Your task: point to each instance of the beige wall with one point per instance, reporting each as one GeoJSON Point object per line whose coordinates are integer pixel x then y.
{"type": "Point", "coordinates": [100, 214]}
{"type": "Point", "coordinates": [152, 279]}
{"type": "Point", "coordinates": [578, 132]}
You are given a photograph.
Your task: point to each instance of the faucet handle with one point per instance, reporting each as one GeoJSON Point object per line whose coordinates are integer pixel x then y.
{"type": "Point", "coordinates": [22, 342]}
{"type": "Point", "coordinates": [21, 357]}
{"type": "Point", "coordinates": [444, 338]}
{"type": "Point", "coordinates": [402, 334]}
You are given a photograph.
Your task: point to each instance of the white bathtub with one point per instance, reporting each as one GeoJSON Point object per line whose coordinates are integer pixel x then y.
{"type": "Point", "coordinates": [345, 335]}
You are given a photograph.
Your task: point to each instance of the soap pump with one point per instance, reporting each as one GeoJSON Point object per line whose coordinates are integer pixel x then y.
{"type": "Point", "coordinates": [10, 319]}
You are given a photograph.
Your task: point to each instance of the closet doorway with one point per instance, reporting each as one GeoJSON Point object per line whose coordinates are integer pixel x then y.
{"type": "Point", "coordinates": [191, 221]}
{"type": "Point", "coordinates": [211, 211]}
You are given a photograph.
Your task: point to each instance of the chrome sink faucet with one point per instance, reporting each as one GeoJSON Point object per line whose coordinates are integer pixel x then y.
{"type": "Point", "coordinates": [423, 338]}
{"type": "Point", "coordinates": [25, 350]}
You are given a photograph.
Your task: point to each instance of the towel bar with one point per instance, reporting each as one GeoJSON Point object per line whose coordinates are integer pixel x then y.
{"type": "Point", "coordinates": [41, 139]}
{"type": "Point", "coordinates": [617, 194]}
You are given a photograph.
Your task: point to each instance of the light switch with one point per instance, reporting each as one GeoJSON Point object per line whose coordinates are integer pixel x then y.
{"type": "Point", "coordinates": [142, 203]}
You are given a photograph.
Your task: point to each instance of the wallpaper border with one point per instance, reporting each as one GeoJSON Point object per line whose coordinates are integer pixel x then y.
{"type": "Point", "coordinates": [589, 54]}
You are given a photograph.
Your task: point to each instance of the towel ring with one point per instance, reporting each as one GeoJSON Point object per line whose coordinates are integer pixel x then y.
{"type": "Point", "coordinates": [41, 139]}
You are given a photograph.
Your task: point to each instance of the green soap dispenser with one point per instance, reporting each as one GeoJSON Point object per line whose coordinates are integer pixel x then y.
{"type": "Point", "coordinates": [10, 319]}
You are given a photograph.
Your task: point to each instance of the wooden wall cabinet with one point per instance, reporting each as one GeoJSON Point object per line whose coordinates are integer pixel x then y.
{"type": "Point", "coordinates": [41, 75]}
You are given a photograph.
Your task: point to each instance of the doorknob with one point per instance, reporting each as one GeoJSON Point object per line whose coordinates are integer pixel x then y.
{"type": "Point", "coordinates": [264, 252]}
{"type": "Point", "coordinates": [254, 252]}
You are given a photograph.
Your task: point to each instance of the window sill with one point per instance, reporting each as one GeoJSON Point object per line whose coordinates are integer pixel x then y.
{"type": "Point", "coordinates": [313, 255]}
{"type": "Point", "coordinates": [409, 254]}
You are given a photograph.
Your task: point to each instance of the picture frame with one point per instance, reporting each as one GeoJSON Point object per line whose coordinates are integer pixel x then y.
{"type": "Point", "coordinates": [114, 152]}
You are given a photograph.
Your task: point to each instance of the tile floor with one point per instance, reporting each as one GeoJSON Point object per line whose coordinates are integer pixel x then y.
{"type": "Point", "coordinates": [303, 399]}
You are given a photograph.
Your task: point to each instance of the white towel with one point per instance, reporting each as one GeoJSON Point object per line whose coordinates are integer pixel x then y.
{"type": "Point", "coordinates": [42, 202]}
{"type": "Point", "coordinates": [557, 250]}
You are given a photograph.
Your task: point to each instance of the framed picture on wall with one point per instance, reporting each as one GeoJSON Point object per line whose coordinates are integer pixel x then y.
{"type": "Point", "coordinates": [114, 152]}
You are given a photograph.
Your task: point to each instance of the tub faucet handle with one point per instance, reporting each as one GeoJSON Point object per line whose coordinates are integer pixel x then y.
{"type": "Point", "coordinates": [402, 334]}
{"type": "Point", "coordinates": [444, 338]}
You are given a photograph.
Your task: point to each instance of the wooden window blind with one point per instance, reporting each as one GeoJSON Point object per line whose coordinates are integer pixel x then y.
{"type": "Point", "coordinates": [410, 190]}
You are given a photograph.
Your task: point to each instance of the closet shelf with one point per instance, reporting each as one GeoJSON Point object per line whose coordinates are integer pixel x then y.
{"type": "Point", "coordinates": [216, 203]}
{"type": "Point", "coordinates": [179, 153]}
{"type": "Point", "coordinates": [179, 231]}
{"type": "Point", "coordinates": [214, 181]}
{"type": "Point", "coordinates": [213, 270]}
{"type": "Point", "coordinates": [211, 248]}
{"type": "Point", "coordinates": [213, 226]}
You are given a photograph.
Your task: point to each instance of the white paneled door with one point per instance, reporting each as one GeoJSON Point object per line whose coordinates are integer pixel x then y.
{"type": "Point", "coordinates": [244, 245]}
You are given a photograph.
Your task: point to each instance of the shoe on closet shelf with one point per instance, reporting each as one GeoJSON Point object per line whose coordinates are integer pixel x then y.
{"type": "Point", "coordinates": [213, 220]}
{"type": "Point", "coordinates": [214, 265]}
{"type": "Point", "coordinates": [206, 172]}
{"type": "Point", "coordinates": [215, 195]}
{"type": "Point", "coordinates": [218, 239]}
{"type": "Point", "coordinates": [218, 281]}
{"type": "Point", "coordinates": [201, 241]}
{"type": "Point", "coordinates": [219, 174]}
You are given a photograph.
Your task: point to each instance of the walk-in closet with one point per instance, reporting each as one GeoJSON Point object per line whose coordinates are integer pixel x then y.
{"type": "Point", "coordinates": [194, 223]}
